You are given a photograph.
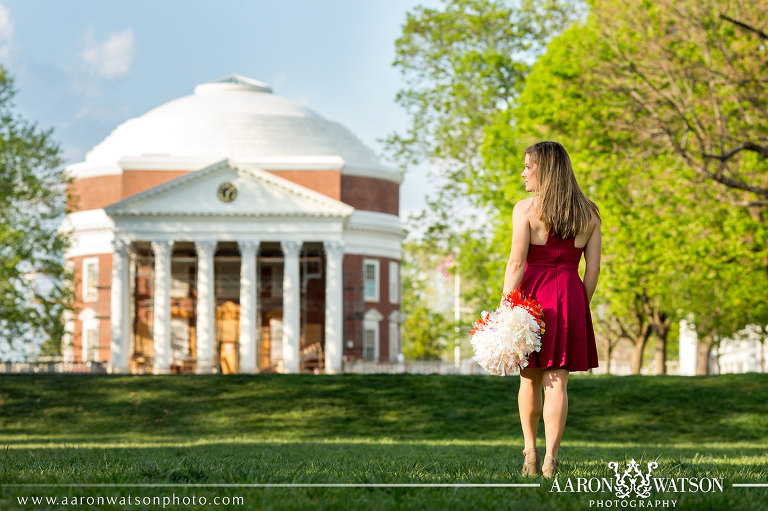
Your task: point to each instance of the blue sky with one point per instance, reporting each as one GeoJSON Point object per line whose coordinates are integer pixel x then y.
{"type": "Point", "coordinates": [83, 67]}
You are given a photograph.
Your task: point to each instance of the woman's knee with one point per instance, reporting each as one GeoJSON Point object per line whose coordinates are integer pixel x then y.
{"type": "Point", "coordinates": [555, 379]}
{"type": "Point", "coordinates": [531, 375]}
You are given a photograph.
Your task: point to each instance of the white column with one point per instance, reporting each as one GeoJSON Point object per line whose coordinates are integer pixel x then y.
{"type": "Point", "coordinates": [687, 347]}
{"type": "Point", "coordinates": [206, 311]}
{"type": "Point", "coordinates": [291, 298]}
{"type": "Point", "coordinates": [120, 307]}
{"type": "Point", "coordinates": [248, 304]}
{"type": "Point", "coordinates": [334, 306]}
{"type": "Point", "coordinates": [132, 258]}
{"type": "Point", "coordinates": [162, 306]}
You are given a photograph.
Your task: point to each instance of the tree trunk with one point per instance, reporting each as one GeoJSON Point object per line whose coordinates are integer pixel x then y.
{"type": "Point", "coordinates": [661, 355]}
{"type": "Point", "coordinates": [703, 349]}
{"type": "Point", "coordinates": [661, 329]}
{"type": "Point", "coordinates": [659, 322]}
{"type": "Point", "coordinates": [638, 349]}
{"type": "Point", "coordinates": [637, 355]}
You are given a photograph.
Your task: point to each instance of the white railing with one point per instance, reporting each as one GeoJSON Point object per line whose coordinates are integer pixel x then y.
{"type": "Point", "coordinates": [412, 367]}
{"type": "Point", "coordinates": [51, 367]}
{"type": "Point", "coordinates": [468, 366]}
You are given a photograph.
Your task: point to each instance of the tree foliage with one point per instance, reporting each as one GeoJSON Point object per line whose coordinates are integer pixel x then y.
{"type": "Point", "coordinates": [33, 294]}
{"type": "Point", "coordinates": [461, 64]}
{"type": "Point", "coordinates": [676, 237]}
{"type": "Point", "coordinates": [670, 243]}
{"type": "Point", "coordinates": [425, 331]}
{"type": "Point", "coordinates": [692, 83]}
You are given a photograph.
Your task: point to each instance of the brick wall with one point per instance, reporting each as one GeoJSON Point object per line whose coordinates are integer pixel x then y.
{"type": "Point", "coordinates": [364, 193]}
{"type": "Point", "coordinates": [101, 306]}
{"type": "Point", "coordinates": [353, 278]}
{"type": "Point", "coordinates": [371, 194]}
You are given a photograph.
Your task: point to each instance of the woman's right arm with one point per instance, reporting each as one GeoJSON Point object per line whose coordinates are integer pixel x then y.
{"type": "Point", "coordinates": [521, 238]}
{"type": "Point", "coordinates": [592, 257]}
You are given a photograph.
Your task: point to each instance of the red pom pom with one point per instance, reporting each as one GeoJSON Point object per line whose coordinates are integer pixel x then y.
{"type": "Point", "coordinates": [516, 298]}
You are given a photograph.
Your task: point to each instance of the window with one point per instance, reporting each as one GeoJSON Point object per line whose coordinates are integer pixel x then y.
{"type": "Point", "coordinates": [371, 280]}
{"type": "Point", "coordinates": [369, 343]}
{"type": "Point", "coordinates": [394, 282]}
{"type": "Point", "coordinates": [90, 279]}
{"type": "Point", "coordinates": [394, 340]}
{"type": "Point", "coordinates": [91, 338]}
{"type": "Point", "coordinates": [371, 321]}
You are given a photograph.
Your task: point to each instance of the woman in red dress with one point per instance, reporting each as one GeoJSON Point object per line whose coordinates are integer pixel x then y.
{"type": "Point", "coordinates": [550, 231]}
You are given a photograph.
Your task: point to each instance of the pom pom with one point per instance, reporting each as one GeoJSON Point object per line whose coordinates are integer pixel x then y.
{"type": "Point", "coordinates": [503, 339]}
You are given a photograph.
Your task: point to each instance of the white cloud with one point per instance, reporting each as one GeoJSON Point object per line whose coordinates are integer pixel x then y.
{"type": "Point", "coordinates": [6, 31]}
{"type": "Point", "coordinates": [112, 58]}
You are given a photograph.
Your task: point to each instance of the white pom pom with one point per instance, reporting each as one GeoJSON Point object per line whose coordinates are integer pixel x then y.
{"type": "Point", "coordinates": [506, 338]}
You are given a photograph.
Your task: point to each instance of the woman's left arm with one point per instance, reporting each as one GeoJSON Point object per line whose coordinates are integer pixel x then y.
{"type": "Point", "coordinates": [521, 237]}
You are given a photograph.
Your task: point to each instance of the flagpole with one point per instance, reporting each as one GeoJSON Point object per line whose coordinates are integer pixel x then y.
{"type": "Point", "coordinates": [457, 312]}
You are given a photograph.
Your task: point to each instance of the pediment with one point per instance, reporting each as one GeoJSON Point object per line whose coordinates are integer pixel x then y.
{"type": "Point", "coordinates": [229, 189]}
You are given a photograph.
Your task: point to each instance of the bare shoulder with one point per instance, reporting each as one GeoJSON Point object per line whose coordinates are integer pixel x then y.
{"type": "Point", "coordinates": [595, 221]}
{"type": "Point", "coordinates": [594, 229]}
{"type": "Point", "coordinates": [523, 206]}
{"type": "Point", "coordinates": [520, 215]}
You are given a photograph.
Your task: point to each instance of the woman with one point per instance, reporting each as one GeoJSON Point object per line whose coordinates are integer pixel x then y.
{"type": "Point", "coordinates": [551, 230]}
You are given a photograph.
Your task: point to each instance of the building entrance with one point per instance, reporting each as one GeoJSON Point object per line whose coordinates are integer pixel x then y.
{"type": "Point", "coordinates": [227, 277]}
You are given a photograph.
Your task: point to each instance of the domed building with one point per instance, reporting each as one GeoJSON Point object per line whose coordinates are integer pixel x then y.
{"type": "Point", "coordinates": [233, 230]}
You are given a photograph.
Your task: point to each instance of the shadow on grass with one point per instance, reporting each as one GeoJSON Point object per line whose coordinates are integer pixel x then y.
{"type": "Point", "coordinates": [650, 409]}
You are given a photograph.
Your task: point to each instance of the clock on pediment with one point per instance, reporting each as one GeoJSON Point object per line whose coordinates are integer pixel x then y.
{"type": "Point", "coordinates": [227, 192]}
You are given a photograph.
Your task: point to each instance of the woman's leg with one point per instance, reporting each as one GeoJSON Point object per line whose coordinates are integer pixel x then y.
{"type": "Point", "coordinates": [555, 382]}
{"type": "Point", "coordinates": [529, 402]}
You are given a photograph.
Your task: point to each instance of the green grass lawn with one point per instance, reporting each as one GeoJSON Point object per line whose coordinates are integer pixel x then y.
{"type": "Point", "coordinates": [183, 431]}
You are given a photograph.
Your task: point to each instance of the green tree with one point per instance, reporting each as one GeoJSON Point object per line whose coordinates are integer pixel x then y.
{"type": "Point", "coordinates": [33, 294]}
{"type": "Point", "coordinates": [662, 227]}
{"type": "Point", "coordinates": [425, 332]}
{"type": "Point", "coordinates": [462, 63]}
{"type": "Point", "coordinates": [691, 82]}
{"type": "Point", "coordinates": [673, 240]}
{"type": "Point", "coordinates": [686, 84]}
{"type": "Point", "coordinates": [554, 106]}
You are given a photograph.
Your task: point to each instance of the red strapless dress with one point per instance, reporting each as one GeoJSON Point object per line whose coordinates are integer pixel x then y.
{"type": "Point", "coordinates": [552, 277]}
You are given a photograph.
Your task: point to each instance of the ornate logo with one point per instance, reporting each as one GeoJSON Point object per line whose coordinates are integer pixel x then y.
{"type": "Point", "coordinates": [632, 480]}
{"type": "Point", "coordinates": [227, 192]}
{"type": "Point", "coordinates": [627, 488]}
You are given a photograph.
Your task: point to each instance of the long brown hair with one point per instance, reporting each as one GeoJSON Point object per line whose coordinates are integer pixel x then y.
{"type": "Point", "coordinates": [561, 204]}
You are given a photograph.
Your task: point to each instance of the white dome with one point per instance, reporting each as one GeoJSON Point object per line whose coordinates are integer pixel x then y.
{"type": "Point", "coordinates": [237, 118]}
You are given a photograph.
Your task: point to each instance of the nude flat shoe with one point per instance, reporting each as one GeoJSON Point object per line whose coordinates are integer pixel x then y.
{"type": "Point", "coordinates": [550, 466]}
{"type": "Point", "coordinates": [532, 463]}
